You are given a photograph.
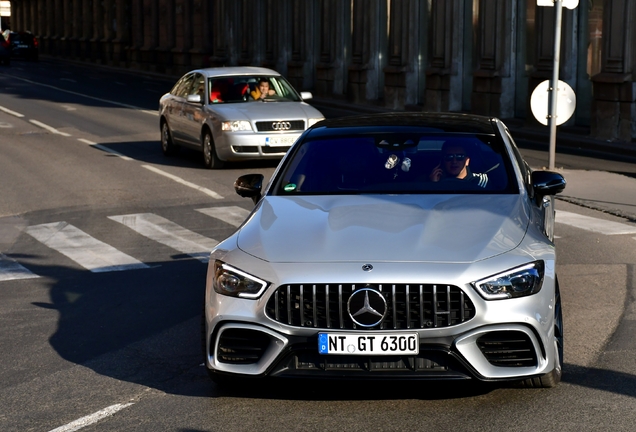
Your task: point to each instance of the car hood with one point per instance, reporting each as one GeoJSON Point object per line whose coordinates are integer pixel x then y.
{"type": "Point", "coordinates": [397, 228]}
{"type": "Point", "coordinates": [264, 111]}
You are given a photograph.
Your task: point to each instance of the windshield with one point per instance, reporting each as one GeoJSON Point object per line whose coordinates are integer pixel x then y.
{"type": "Point", "coordinates": [397, 163]}
{"type": "Point", "coordinates": [245, 88]}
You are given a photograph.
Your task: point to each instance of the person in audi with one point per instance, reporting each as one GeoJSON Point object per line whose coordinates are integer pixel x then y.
{"type": "Point", "coordinates": [262, 90]}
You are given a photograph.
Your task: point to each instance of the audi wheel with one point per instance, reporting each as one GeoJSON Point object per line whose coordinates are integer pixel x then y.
{"type": "Point", "coordinates": [167, 144]}
{"type": "Point", "coordinates": [210, 158]}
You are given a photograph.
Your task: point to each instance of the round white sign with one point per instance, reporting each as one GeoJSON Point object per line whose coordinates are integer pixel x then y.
{"type": "Point", "coordinates": [540, 99]}
{"type": "Point", "coordinates": [570, 4]}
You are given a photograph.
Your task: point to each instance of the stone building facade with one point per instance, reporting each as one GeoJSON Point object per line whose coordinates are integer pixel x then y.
{"type": "Point", "coordinates": [479, 56]}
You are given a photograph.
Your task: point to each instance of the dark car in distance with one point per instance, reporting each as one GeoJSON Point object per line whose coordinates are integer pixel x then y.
{"type": "Point", "coordinates": [24, 45]}
{"type": "Point", "coordinates": [5, 51]}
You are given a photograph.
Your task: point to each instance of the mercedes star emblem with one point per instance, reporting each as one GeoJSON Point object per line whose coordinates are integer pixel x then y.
{"type": "Point", "coordinates": [367, 307]}
{"type": "Point", "coordinates": [367, 267]}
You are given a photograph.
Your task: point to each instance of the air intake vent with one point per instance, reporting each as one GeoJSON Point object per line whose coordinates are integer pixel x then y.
{"type": "Point", "coordinates": [242, 346]}
{"type": "Point", "coordinates": [274, 150]}
{"type": "Point", "coordinates": [508, 349]}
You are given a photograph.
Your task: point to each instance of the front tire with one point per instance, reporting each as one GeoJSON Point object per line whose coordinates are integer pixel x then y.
{"type": "Point", "coordinates": [210, 157]}
{"type": "Point", "coordinates": [552, 378]}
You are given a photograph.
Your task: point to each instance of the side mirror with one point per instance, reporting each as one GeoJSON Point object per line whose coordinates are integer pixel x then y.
{"type": "Point", "coordinates": [196, 98]}
{"type": "Point", "coordinates": [547, 183]}
{"type": "Point", "coordinates": [306, 95]}
{"type": "Point", "coordinates": [249, 186]}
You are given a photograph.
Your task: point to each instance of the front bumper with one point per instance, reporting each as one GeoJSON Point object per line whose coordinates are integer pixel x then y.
{"type": "Point", "coordinates": [236, 146]}
{"type": "Point", "coordinates": [488, 353]}
{"type": "Point", "coordinates": [488, 340]}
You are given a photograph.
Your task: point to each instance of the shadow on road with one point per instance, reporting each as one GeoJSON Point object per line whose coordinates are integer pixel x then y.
{"type": "Point", "coordinates": [150, 152]}
{"type": "Point", "coordinates": [143, 326]}
{"type": "Point", "coordinates": [601, 379]}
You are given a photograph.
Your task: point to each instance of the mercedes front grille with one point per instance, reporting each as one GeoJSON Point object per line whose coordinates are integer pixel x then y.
{"type": "Point", "coordinates": [409, 306]}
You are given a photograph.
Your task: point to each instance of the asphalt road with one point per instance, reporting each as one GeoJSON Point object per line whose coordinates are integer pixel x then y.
{"type": "Point", "coordinates": [119, 350]}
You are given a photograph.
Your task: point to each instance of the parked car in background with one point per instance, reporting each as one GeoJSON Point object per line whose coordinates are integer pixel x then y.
{"type": "Point", "coordinates": [5, 50]}
{"type": "Point", "coordinates": [392, 246]}
{"type": "Point", "coordinates": [24, 45]}
{"type": "Point", "coordinates": [221, 112]}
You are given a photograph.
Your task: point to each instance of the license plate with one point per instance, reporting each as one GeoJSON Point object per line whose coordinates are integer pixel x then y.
{"type": "Point", "coordinates": [368, 344]}
{"type": "Point", "coordinates": [23, 46]}
{"type": "Point", "coordinates": [280, 141]}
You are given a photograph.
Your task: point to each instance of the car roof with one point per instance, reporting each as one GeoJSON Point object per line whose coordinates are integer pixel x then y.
{"type": "Point", "coordinates": [21, 33]}
{"type": "Point", "coordinates": [236, 70]}
{"type": "Point", "coordinates": [441, 122]}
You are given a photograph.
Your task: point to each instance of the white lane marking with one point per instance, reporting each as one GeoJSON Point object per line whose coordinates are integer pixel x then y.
{"type": "Point", "coordinates": [155, 170]}
{"type": "Point", "coordinates": [49, 128]}
{"type": "Point", "coordinates": [75, 93]}
{"type": "Point", "coordinates": [5, 125]}
{"type": "Point", "coordinates": [169, 233]}
{"type": "Point", "coordinates": [68, 108]}
{"type": "Point", "coordinates": [104, 148]}
{"type": "Point", "coordinates": [593, 224]}
{"type": "Point", "coordinates": [184, 182]}
{"type": "Point", "coordinates": [91, 419]}
{"type": "Point", "coordinates": [85, 250]}
{"type": "Point", "coordinates": [81, 94]}
{"type": "Point", "coordinates": [232, 215]}
{"type": "Point", "coordinates": [11, 270]}
{"type": "Point", "coordinates": [13, 113]}
{"type": "Point", "coordinates": [154, 113]}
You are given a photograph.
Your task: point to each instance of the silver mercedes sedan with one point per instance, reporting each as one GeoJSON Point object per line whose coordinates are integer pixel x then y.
{"type": "Point", "coordinates": [233, 114]}
{"type": "Point", "coordinates": [392, 246]}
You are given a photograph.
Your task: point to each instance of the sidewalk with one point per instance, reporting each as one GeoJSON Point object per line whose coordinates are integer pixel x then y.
{"type": "Point", "coordinates": [569, 139]}
{"type": "Point", "coordinates": [611, 193]}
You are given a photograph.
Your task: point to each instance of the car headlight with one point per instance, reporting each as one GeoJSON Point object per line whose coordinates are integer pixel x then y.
{"type": "Point", "coordinates": [311, 122]}
{"type": "Point", "coordinates": [517, 282]}
{"type": "Point", "coordinates": [233, 282]}
{"type": "Point", "coordinates": [238, 125]}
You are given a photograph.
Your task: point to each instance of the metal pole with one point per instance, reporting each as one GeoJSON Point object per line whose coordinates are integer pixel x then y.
{"type": "Point", "coordinates": [558, 4]}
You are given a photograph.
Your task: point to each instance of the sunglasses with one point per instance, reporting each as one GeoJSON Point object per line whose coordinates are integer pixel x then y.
{"type": "Point", "coordinates": [457, 157]}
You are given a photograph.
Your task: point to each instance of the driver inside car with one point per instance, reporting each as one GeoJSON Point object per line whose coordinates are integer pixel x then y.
{"type": "Point", "coordinates": [455, 164]}
{"type": "Point", "coordinates": [262, 90]}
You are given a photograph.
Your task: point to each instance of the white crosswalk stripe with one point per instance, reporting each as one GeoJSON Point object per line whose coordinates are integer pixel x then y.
{"type": "Point", "coordinates": [98, 256]}
{"type": "Point", "coordinates": [169, 233]}
{"type": "Point", "coordinates": [232, 215]}
{"type": "Point", "coordinates": [11, 270]}
{"type": "Point", "coordinates": [592, 224]}
{"type": "Point", "coordinates": [85, 250]}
